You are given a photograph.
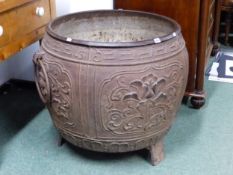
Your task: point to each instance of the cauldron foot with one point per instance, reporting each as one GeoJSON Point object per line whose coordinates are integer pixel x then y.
{"type": "Point", "coordinates": [156, 152]}
{"type": "Point", "coordinates": [60, 141]}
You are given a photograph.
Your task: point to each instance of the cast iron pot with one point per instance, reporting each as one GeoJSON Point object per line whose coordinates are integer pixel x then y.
{"type": "Point", "coordinates": [113, 80]}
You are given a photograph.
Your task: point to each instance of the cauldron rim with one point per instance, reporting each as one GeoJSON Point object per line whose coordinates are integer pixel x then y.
{"type": "Point", "coordinates": [157, 40]}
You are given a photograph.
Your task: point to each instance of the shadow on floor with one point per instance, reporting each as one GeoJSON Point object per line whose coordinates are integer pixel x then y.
{"type": "Point", "coordinates": [19, 103]}
{"type": "Point", "coordinates": [106, 157]}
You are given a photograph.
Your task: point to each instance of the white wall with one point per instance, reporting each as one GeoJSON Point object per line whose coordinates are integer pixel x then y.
{"type": "Point", "coordinates": [81, 5]}
{"type": "Point", "coordinates": [4, 73]}
{"type": "Point", "coordinates": [20, 66]}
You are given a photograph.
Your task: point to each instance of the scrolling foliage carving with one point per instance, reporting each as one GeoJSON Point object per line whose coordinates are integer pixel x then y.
{"type": "Point", "coordinates": [60, 91]}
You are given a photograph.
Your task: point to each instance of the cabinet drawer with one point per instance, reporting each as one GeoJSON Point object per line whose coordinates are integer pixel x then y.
{"type": "Point", "coordinates": [9, 4]}
{"type": "Point", "coordinates": [23, 20]}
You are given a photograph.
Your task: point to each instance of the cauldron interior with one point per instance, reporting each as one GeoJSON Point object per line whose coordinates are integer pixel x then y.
{"type": "Point", "coordinates": [112, 26]}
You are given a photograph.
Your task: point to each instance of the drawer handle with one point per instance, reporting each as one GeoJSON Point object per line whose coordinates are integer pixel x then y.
{"type": "Point", "coordinates": [1, 30]}
{"type": "Point", "coordinates": [40, 11]}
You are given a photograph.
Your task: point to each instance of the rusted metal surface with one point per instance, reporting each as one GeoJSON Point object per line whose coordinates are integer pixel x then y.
{"type": "Point", "coordinates": [113, 80]}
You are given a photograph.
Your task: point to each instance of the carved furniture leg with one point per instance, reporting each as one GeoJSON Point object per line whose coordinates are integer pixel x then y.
{"type": "Point", "coordinates": [61, 141]}
{"type": "Point", "coordinates": [156, 152]}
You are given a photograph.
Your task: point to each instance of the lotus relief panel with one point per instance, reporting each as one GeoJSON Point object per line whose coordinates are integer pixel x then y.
{"type": "Point", "coordinates": [140, 101]}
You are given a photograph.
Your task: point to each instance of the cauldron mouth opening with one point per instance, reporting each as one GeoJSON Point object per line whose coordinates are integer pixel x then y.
{"type": "Point", "coordinates": [113, 28]}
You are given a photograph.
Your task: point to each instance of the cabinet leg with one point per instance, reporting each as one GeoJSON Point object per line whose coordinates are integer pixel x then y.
{"type": "Point", "coordinates": [185, 99]}
{"type": "Point", "coordinates": [61, 141]}
{"type": "Point", "coordinates": [197, 98]}
{"type": "Point", "coordinates": [40, 42]}
{"type": "Point", "coordinates": [228, 27]}
{"type": "Point", "coordinates": [156, 152]}
{"type": "Point", "coordinates": [197, 102]}
{"type": "Point", "coordinates": [215, 49]}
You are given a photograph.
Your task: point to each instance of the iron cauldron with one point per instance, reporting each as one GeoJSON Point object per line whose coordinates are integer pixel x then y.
{"type": "Point", "coordinates": [113, 80]}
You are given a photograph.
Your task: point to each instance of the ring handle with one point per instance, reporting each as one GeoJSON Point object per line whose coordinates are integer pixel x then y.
{"type": "Point", "coordinates": [41, 77]}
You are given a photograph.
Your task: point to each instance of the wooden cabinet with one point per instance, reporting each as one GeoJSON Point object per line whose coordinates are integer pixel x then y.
{"type": "Point", "coordinates": [196, 18]}
{"type": "Point", "coordinates": [225, 6]}
{"type": "Point", "coordinates": [22, 22]}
